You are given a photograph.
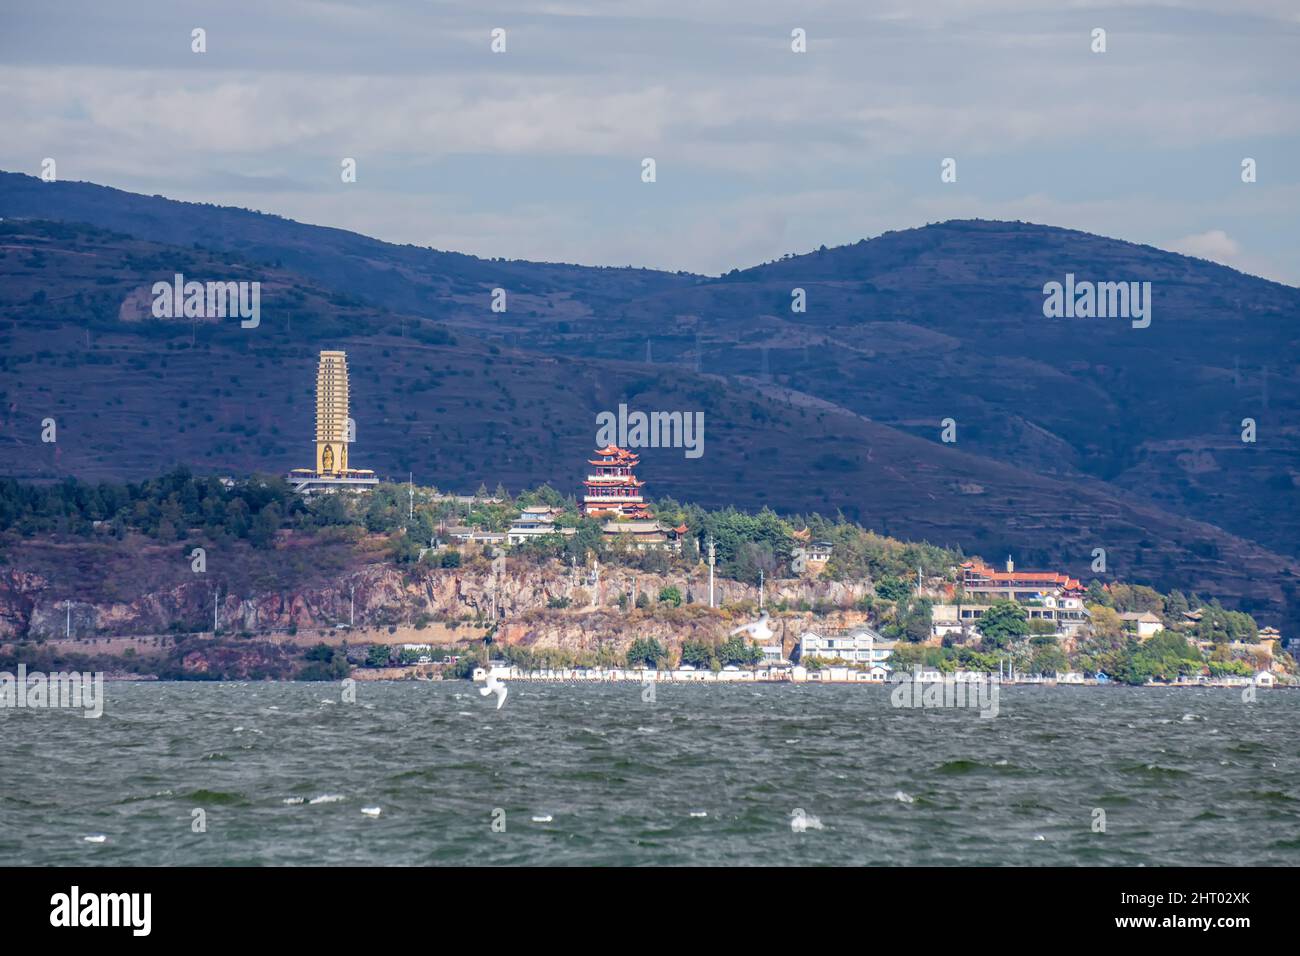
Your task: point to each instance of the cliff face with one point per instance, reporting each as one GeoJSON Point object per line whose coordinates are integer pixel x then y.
{"type": "Point", "coordinates": [517, 595]}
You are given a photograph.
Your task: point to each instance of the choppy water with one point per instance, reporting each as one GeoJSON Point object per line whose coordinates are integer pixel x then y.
{"type": "Point", "coordinates": [283, 771]}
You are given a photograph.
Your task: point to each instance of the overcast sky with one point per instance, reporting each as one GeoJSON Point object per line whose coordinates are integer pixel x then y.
{"type": "Point", "coordinates": [536, 153]}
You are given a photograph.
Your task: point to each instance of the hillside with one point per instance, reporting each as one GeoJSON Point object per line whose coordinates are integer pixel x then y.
{"type": "Point", "coordinates": [1070, 436]}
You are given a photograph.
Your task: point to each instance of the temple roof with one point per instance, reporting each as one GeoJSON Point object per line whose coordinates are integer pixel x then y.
{"type": "Point", "coordinates": [613, 451]}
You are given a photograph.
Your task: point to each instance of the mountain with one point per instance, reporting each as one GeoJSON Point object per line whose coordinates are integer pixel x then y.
{"type": "Point", "coordinates": [1071, 434]}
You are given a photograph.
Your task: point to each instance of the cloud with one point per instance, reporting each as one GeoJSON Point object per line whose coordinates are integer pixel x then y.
{"type": "Point", "coordinates": [1215, 245]}
{"type": "Point", "coordinates": [760, 151]}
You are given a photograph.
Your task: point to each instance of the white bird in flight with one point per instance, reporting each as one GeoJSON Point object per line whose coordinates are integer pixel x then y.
{"type": "Point", "coordinates": [758, 630]}
{"type": "Point", "coordinates": [494, 686]}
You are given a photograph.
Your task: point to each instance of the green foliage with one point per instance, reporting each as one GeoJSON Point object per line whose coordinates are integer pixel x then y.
{"type": "Point", "coordinates": [1048, 659]}
{"type": "Point", "coordinates": [324, 664]}
{"type": "Point", "coordinates": [1164, 656]}
{"type": "Point", "coordinates": [699, 654]}
{"type": "Point", "coordinates": [163, 508]}
{"type": "Point", "coordinates": [645, 650]}
{"type": "Point", "coordinates": [1002, 623]}
{"type": "Point", "coordinates": [892, 589]}
{"type": "Point", "coordinates": [1222, 626]}
{"type": "Point", "coordinates": [378, 655]}
{"type": "Point", "coordinates": [911, 621]}
{"type": "Point", "coordinates": [738, 650]}
{"type": "Point", "coordinates": [671, 595]}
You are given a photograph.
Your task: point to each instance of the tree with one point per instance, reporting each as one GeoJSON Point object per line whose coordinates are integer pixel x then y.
{"type": "Point", "coordinates": [892, 589]}
{"type": "Point", "coordinates": [737, 650]}
{"type": "Point", "coordinates": [1002, 623]}
{"type": "Point", "coordinates": [645, 650]}
{"type": "Point", "coordinates": [697, 653]}
{"type": "Point", "coordinates": [265, 525]}
{"type": "Point", "coordinates": [1106, 621]}
{"type": "Point", "coordinates": [1048, 659]}
{"type": "Point", "coordinates": [671, 595]}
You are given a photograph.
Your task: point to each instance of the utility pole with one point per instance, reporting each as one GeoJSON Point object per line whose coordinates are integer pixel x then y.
{"type": "Point", "coordinates": [352, 605]}
{"type": "Point", "coordinates": [67, 630]}
{"type": "Point", "coordinates": [712, 558]}
{"type": "Point", "coordinates": [216, 609]}
{"type": "Point", "coordinates": [595, 590]}
{"type": "Point", "coordinates": [410, 487]}
{"type": "Point", "coordinates": [761, 578]}
{"type": "Point", "coordinates": [632, 606]}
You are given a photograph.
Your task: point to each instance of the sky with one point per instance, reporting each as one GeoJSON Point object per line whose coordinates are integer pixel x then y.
{"type": "Point", "coordinates": [536, 152]}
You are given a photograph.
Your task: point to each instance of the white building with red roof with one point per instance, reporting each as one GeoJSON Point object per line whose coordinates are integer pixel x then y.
{"type": "Point", "coordinates": [978, 578]}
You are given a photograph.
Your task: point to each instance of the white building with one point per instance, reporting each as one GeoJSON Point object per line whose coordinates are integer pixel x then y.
{"type": "Point", "coordinates": [534, 522]}
{"type": "Point", "coordinates": [810, 558]}
{"type": "Point", "coordinates": [859, 645]}
{"type": "Point", "coordinates": [1144, 623]}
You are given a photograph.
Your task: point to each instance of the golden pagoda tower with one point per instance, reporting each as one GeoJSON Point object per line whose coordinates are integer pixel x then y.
{"type": "Point", "coordinates": [333, 471]}
{"type": "Point", "coordinates": [332, 414]}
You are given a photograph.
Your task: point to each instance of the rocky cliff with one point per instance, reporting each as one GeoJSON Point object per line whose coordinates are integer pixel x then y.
{"type": "Point", "coordinates": [544, 605]}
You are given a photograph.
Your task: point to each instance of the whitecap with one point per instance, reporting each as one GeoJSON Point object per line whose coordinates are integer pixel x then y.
{"type": "Point", "coordinates": [902, 797]}
{"type": "Point", "coordinates": [294, 801]}
{"type": "Point", "coordinates": [371, 811]}
{"type": "Point", "coordinates": [237, 730]}
{"type": "Point", "coordinates": [699, 813]}
{"type": "Point", "coordinates": [326, 798]}
{"type": "Point", "coordinates": [543, 818]}
{"type": "Point", "coordinates": [801, 821]}
{"type": "Point", "coordinates": [95, 838]}
{"type": "Point", "coordinates": [1040, 837]}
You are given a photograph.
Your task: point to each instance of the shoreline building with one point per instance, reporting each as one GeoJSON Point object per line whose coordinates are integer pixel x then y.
{"type": "Point", "coordinates": [1012, 585]}
{"type": "Point", "coordinates": [1045, 595]}
{"type": "Point", "coordinates": [612, 487]}
{"type": "Point", "coordinates": [333, 471]}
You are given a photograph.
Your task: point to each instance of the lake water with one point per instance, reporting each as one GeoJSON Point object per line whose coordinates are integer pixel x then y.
{"type": "Point", "coordinates": [701, 775]}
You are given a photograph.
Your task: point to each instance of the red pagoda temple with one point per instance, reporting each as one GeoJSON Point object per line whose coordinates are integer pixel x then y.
{"type": "Point", "coordinates": [612, 488]}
